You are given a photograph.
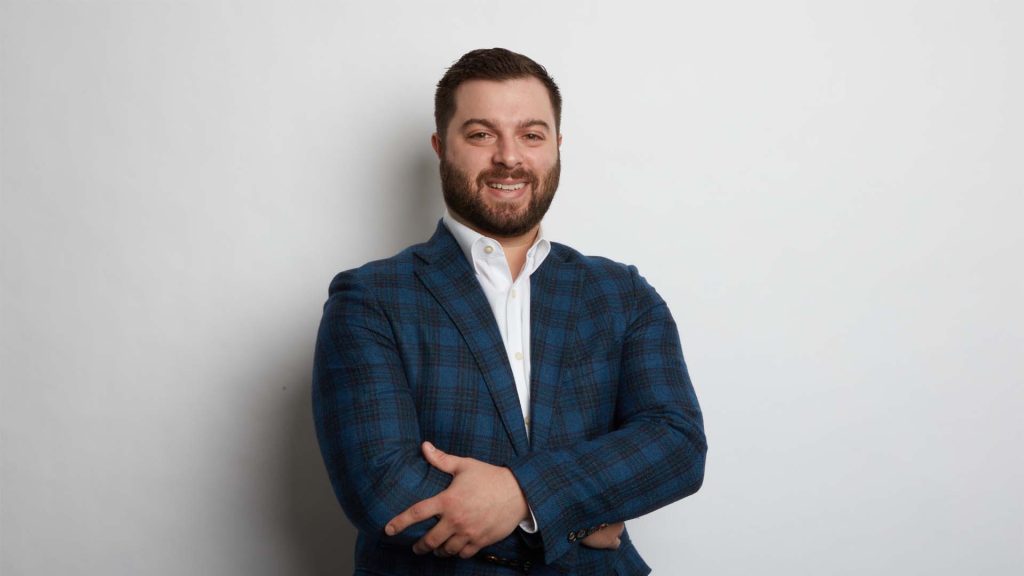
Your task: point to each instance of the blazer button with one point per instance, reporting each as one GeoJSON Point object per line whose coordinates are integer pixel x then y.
{"type": "Point", "coordinates": [581, 534]}
{"type": "Point", "coordinates": [572, 536]}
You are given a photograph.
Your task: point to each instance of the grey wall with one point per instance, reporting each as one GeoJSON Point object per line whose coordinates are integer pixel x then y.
{"type": "Point", "coordinates": [828, 194]}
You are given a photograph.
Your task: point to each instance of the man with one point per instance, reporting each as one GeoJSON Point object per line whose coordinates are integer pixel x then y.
{"type": "Point", "coordinates": [490, 402]}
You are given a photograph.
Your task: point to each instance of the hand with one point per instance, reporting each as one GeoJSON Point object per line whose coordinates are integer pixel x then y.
{"type": "Point", "coordinates": [606, 538]}
{"type": "Point", "coordinates": [482, 505]}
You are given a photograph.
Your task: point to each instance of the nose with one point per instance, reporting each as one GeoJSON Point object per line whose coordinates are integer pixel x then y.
{"type": "Point", "coordinates": [506, 153]}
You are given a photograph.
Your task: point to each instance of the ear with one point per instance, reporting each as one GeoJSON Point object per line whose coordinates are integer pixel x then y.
{"type": "Point", "coordinates": [435, 143]}
{"type": "Point", "coordinates": [559, 139]}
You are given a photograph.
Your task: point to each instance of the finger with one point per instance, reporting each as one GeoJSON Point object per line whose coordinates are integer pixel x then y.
{"type": "Point", "coordinates": [618, 543]}
{"type": "Point", "coordinates": [454, 545]}
{"type": "Point", "coordinates": [440, 460]}
{"type": "Point", "coordinates": [418, 512]}
{"type": "Point", "coordinates": [468, 551]}
{"type": "Point", "coordinates": [601, 540]}
{"type": "Point", "coordinates": [433, 539]}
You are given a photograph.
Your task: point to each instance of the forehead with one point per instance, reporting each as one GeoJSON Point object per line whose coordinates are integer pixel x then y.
{"type": "Point", "coordinates": [504, 101]}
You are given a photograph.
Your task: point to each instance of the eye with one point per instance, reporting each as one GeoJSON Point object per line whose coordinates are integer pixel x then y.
{"type": "Point", "coordinates": [478, 135]}
{"type": "Point", "coordinates": [534, 136]}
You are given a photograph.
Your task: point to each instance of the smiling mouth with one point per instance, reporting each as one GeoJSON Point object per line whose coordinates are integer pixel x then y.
{"type": "Point", "coordinates": [507, 187]}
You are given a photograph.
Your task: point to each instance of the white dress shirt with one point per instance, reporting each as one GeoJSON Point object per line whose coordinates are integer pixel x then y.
{"type": "Point", "coordinates": [510, 303]}
{"type": "Point", "coordinates": [509, 300]}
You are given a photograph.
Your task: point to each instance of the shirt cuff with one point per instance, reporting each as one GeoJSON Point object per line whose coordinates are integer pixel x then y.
{"type": "Point", "coordinates": [529, 526]}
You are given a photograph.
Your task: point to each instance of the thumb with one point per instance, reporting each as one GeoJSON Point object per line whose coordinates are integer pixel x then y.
{"type": "Point", "coordinates": [438, 459]}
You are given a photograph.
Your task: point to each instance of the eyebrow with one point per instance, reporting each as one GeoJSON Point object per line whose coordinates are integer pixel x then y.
{"type": "Point", "coordinates": [524, 124]}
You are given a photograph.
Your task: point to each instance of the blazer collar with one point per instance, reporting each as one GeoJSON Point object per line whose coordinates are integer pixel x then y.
{"type": "Point", "coordinates": [449, 278]}
{"type": "Point", "coordinates": [554, 290]}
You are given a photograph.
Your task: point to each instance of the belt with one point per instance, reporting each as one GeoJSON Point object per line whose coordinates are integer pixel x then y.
{"type": "Point", "coordinates": [521, 565]}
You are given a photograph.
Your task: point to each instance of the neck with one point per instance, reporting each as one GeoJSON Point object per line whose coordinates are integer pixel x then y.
{"type": "Point", "coordinates": [515, 250]}
{"type": "Point", "coordinates": [514, 247]}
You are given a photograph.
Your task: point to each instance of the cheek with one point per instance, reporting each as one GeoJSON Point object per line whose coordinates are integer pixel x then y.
{"type": "Point", "coordinates": [469, 164]}
{"type": "Point", "coordinates": [542, 168]}
{"type": "Point", "coordinates": [545, 159]}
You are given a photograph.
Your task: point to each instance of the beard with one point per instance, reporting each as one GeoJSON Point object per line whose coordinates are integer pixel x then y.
{"type": "Point", "coordinates": [466, 198]}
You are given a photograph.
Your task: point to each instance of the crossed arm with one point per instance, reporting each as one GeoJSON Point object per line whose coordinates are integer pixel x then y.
{"type": "Point", "coordinates": [481, 506]}
{"type": "Point", "coordinates": [371, 442]}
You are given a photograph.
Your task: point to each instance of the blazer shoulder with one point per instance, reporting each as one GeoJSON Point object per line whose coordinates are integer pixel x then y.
{"type": "Point", "coordinates": [607, 273]}
{"type": "Point", "coordinates": [620, 286]}
{"type": "Point", "coordinates": [383, 278]}
{"type": "Point", "coordinates": [597, 263]}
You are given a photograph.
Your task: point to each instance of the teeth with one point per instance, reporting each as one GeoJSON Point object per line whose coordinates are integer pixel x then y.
{"type": "Point", "coordinates": [508, 186]}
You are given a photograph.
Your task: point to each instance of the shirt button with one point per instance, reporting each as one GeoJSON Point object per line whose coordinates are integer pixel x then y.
{"type": "Point", "coordinates": [488, 249]}
{"type": "Point", "coordinates": [513, 292]}
{"type": "Point", "coordinates": [519, 355]}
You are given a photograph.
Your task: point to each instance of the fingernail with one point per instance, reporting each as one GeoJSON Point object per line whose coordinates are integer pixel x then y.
{"type": "Point", "coordinates": [389, 530]}
{"type": "Point", "coordinates": [430, 447]}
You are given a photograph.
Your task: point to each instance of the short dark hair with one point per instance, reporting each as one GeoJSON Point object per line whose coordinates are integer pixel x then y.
{"type": "Point", "coordinates": [489, 64]}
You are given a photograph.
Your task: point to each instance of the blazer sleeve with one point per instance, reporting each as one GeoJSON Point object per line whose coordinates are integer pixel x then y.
{"type": "Point", "coordinates": [654, 456]}
{"type": "Point", "coordinates": [365, 416]}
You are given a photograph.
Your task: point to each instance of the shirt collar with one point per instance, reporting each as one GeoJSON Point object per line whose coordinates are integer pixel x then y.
{"type": "Point", "coordinates": [473, 244]}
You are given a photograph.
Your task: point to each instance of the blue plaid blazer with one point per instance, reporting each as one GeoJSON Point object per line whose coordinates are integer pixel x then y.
{"type": "Point", "coordinates": [408, 350]}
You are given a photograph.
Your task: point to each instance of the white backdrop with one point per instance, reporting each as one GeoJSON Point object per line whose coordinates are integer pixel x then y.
{"type": "Point", "coordinates": [828, 195]}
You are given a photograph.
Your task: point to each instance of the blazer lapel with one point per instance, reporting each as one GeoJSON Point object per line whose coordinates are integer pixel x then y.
{"type": "Point", "coordinates": [554, 291]}
{"type": "Point", "coordinates": [450, 279]}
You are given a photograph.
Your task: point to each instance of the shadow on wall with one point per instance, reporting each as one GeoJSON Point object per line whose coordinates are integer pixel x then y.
{"type": "Point", "coordinates": [405, 218]}
{"type": "Point", "coordinates": [321, 538]}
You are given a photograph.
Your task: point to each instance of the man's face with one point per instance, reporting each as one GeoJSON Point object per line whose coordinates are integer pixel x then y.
{"type": "Point", "coordinates": [499, 161]}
